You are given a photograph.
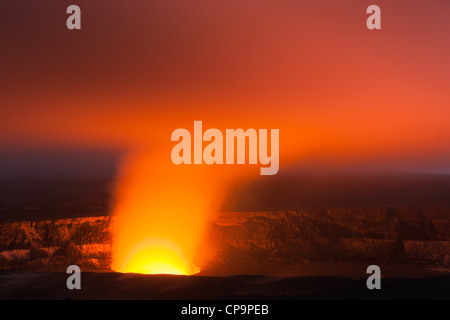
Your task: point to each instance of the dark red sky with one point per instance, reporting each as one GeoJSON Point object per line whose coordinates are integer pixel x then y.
{"type": "Point", "coordinates": [139, 69]}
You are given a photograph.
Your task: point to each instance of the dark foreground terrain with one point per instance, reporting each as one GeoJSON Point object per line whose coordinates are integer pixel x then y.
{"type": "Point", "coordinates": [26, 285]}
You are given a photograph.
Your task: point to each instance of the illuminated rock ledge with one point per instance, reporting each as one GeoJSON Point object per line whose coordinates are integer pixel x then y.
{"type": "Point", "coordinates": [370, 235]}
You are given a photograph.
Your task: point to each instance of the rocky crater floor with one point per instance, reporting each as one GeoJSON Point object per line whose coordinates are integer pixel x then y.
{"type": "Point", "coordinates": [252, 242]}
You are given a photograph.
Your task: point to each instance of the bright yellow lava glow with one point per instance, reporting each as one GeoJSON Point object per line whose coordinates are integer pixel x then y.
{"type": "Point", "coordinates": [157, 256]}
{"type": "Point", "coordinates": [160, 215]}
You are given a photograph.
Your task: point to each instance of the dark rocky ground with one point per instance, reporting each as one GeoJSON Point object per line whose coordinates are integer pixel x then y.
{"type": "Point", "coordinates": [25, 285]}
